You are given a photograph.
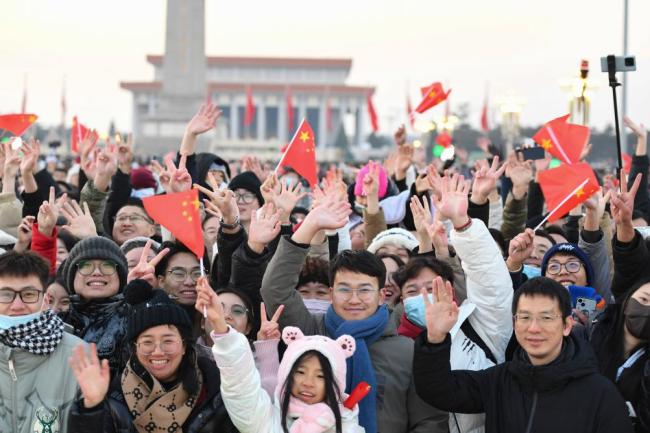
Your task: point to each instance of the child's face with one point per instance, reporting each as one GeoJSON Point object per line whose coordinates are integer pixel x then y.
{"type": "Point", "coordinates": [309, 381]}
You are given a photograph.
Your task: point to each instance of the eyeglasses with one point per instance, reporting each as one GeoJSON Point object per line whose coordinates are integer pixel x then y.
{"type": "Point", "coordinates": [169, 346]}
{"type": "Point", "coordinates": [134, 218]}
{"type": "Point", "coordinates": [105, 267]}
{"type": "Point", "coordinates": [572, 267]}
{"type": "Point", "coordinates": [236, 310]}
{"type": "Point", "coordinates": [363, 293]}
{"type": "Point", "coordinates": [526, 320]}
{"type": "Point", "coordinates": [179, 274]}
{"type": "Point", "coordinates": [246, 198]}
{"type": "Point", "coordinates": [28, 296]}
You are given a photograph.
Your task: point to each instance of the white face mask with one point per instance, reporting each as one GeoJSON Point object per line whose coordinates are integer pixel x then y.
{"type": "Point", "coordinates": [317, 306]}
{"type": "Point", "coordinates": [7, 322]}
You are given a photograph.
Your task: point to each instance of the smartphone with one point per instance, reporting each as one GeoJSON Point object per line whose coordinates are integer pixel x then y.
{"type": "Point", "coordinates": [531, 153]}
{"type": "Point", "coordinates": [621, 64]}
{"type": "Point", "coordinates": [586, 306]}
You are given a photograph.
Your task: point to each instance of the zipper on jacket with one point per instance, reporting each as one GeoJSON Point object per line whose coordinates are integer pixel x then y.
{"type": "Point", "coordinates": [532, 413]}
{"type": "Point", "coordinates": [14, 395]}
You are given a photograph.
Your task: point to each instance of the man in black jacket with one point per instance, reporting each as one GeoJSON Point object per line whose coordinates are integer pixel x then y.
{"type": "Point", "coordinates": [551, 385]}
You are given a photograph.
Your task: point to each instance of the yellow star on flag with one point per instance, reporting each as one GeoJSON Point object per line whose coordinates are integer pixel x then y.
{"type": "Point", "coordinates": [580, 192]}
{"type": "Point", "coordinates": [432, 94]}
{"type": "Point", "coordinates": [546, 144]}
{"type": "Point", "coordinates": [304, 136]}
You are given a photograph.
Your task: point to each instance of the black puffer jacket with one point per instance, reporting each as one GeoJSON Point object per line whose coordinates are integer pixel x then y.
{"type": "Point", "coordinates": [567, 395]}
{"type": "Point", "coordinates": [634, 380]}
{"type": "Point", "coordinates": [113, 416]}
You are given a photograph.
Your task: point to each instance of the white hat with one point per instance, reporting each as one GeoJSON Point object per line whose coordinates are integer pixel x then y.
{"type": "Point", "coordinates": [395, 236]}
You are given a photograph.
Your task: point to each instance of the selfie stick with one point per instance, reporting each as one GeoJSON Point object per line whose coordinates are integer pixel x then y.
{"type": "Point", "coordinates": [613, 83]}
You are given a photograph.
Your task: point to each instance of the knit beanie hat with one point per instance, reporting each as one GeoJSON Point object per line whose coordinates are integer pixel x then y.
{"type": "Point", "coordinates": [94, 248]}
{"type": "Point", "coordinates": [142, 177]}
{"type": "Point", "coordinates": [336, 352]}
{"type": "Point", "coordinates": [153, 307]}
{"type": "Point", "coordinates": [248, 181]}
{"type": "Point", "coordinates": [383, 181]}
{"type": "Point", "coordinates": [572, 250]}
{"type": "Point", "coordinates": [395, 236]}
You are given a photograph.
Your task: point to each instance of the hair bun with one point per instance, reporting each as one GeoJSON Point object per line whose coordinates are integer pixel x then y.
{"type": "Point", "coordinates": [138, 291]}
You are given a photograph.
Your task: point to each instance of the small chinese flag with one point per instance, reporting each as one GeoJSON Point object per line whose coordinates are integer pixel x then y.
{"type": "Point", "coordinates": [566, 186]}
{"type": "Point", "coordinates": [249, 113]}
{"type": "Point", "coordinates": [301, 153]}
{"type": "Point", "coordinates": [432, 96]}
{"type": "Point", "coordinates": [179, 213]}
{"type": "Point", "coordinates": [374, 120]}
{"type": "Point", "coordinates": [563, 140]}
{"type": "Point", "coordinates": [17, 124]}
{"type": "Point", "coordinates": [77, 134]}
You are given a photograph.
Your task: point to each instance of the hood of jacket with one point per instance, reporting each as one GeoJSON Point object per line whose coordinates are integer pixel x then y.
{"type": "Point", "coordinates": [576, 360]}
{"type": "Point", "coordinates": [203, 162]}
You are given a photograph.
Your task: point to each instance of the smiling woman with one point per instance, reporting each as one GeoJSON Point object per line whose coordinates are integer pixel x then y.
{"type": "Point", "coordinates": [164, 385]}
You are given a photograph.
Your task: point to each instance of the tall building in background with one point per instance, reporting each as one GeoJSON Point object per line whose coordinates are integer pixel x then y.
{"type": "Point", "coordinates": [314, 88]}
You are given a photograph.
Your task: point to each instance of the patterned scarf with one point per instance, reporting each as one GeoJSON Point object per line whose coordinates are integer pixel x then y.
{"type": "Point", "coordinates": [156, 409]}
{"type": "Point", "coordinates": [39, 336]}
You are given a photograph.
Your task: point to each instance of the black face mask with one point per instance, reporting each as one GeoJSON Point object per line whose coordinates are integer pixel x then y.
{"type": "Point", "coordinates": [637, 319]}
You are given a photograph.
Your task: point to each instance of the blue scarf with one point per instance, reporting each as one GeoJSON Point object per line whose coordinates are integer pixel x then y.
{"type": "Point", "coordinates": [359, 365]}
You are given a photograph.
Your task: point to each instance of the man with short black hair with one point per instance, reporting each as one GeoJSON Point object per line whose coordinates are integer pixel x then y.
{"type": "Point", "coordinates": [35, 383]}
{"type": "Point", "coordinates": [551, 385]}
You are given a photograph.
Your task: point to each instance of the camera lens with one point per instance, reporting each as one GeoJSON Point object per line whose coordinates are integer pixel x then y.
{"type": "Point", "coordinates": [629, 61]}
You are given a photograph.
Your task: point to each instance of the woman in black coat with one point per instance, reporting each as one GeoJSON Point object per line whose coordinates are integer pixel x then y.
{"type": "Point", "coordinates": [621, 340]}
{"type": "Point", "coordinates": [164, 385]}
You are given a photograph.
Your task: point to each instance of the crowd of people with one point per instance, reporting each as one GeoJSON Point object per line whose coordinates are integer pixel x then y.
{"type": "Point", "coordinates": [392, 297]}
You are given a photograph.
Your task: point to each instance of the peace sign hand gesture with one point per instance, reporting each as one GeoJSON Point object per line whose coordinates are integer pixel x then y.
{"type": "Point", "coordinates": [180, 179]}
{"type": "Point", "coordinates": [146, 269]}
{"type": "Point", "coordinates": [442, 314]}
{"type": "Point", "coordinates": [48, 213]}
{"type": "Point", "coordinates": [269, 329]}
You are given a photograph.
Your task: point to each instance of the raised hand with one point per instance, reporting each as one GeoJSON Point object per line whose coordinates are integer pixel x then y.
{"type": "Point", "coordinates": [595, 209]}
{"type": "Point", "coordinates": [105, 167]}
{"type": "Point", "coordinates": [520, 173]}
{"type": "Point", "coordinates": [48, 213]}
{"type": "Point", "coordinates": [31, 151]}
{"type": "Point", "coordinates": [12, 160]}
{"type": "Point", "coordinates": [389, 164]}
{"type": "Point", "coordinates": [287, 198]}
{"type": "Point", "coordinates": [125, 154]}
{"type": "Point", "coordinates": [264, 227]}
{"type": "Point", "coordinates": [400, 135]}
{"type": "Point", "coordinates": [180, 179]}
{"type": "Point", "coordinates": [641, 135]}
{"type": "Point", "coordinates": [435, 181]}
{"type": "Point", "coordinates": [164, 176]}
{"type": "Point", "coordinates": [92, 375]}
{"type": "Point", "coordinates": [269, 329]}
{"type": "Point", "coordinates": [439, 239]}
{"type": "Point", "coordinates": [441, 314]}
{"type": "Point", "coordinates": [334, 186]}
{"type": "Point", "coordinates": [208, 303]}
{"type": "Point", "coordinates": [453, 203]}
{"type": "Point", "coordinates": [204, 120]}
{"type": "Point", "coordinates": [80, 222]}
{"type": "Point", "coordinates": [485, 179]}
{"type": "Point", "coordinates": [252, 163]}
{"type": "Point", "coordinates": [270, 188]}
{"type": "Point", "coordinates": [328, 215]}
{"type": "Point", "coordinates": [621, 207]}
{"type": "Point", "coordinates": [520, 249]}
{"type": "Point", "coordinates": [422, 220]}
{"type": "Point", "coordinates": [146, 269]}
{"type": "Point", "coordinates": [223, 200]}
{"type": "Point", "coordinates": [24, 233]}
{"type": "Point", "coordinates": [86, 150]}
{"type": "Point", "coordinates": [403, 161]}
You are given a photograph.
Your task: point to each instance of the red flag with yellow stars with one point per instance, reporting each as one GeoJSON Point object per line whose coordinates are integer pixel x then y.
{"type": "Point", "coordinates": [17, 124]}
{"type": "Point", "coordinates": [77, 134]}
{"type": "Point", "coordinates": [563, 140]}
{"type": "Point", "coordinates": [179, 213]}
{"type": "Point", "coordinates": [432, 96]}
{"type": "Point", "coordinates": [301, 153]}
{"type": "Point", "coordinates": [566, 186]}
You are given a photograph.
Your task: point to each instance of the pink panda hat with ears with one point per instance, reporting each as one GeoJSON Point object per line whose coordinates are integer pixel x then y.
{"type": "Point", "coordinates": [336, 352]}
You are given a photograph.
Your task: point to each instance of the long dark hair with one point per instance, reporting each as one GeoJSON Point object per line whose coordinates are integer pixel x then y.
{"type": "Point", "coordinates": [332, 391]}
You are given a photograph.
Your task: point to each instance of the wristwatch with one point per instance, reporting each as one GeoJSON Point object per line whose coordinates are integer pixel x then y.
{"type": "Point", "coordinates": [229, 226]}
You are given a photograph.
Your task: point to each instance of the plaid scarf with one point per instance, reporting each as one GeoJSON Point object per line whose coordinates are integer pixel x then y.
{"type": "Point", "coordinates": [39, 336]}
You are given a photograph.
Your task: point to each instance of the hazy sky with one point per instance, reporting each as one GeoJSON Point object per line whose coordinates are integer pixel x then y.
{"type": "Point", "coordinates": [521, 46]}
